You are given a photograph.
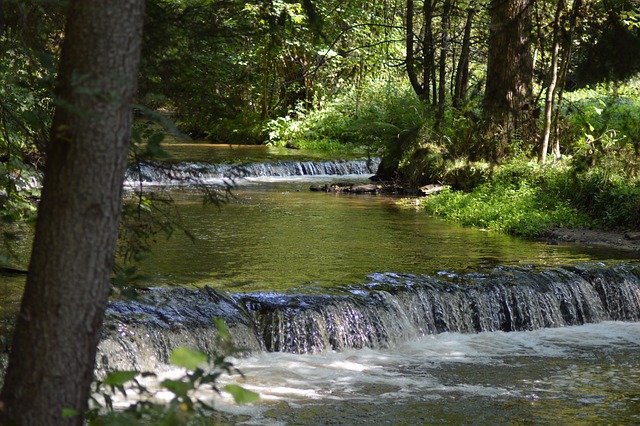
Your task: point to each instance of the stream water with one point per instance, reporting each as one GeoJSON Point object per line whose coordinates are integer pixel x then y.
{"type": "Point", "coordinates": [360, 311]}
{"type": "Point", "coordinates": [275, 234]}
{"type": "Point", "coordinates": [573, 375]}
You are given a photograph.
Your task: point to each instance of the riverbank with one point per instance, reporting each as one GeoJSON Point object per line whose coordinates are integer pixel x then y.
{"type": "Point", "coordinates": [610, 239]}
{"type": "Point", "coordinates": [620, 240]}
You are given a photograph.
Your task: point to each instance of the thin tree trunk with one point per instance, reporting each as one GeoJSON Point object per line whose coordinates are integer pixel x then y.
{"type": "Point", "coordinates": [566, 57]}
{"type": "Point", "coordinates": [1, 18]}
{"type": "Point", "coordinates": [462, 71]}
{"type": "Point", "coordinates": [442, 66]}
{"type": "Point", "coordinates": [58, 328]}
{"type": "Point", "coordinates": [264, 104]}
{"type": "Point", "coordinates": [418, 88]}
{"type": "Point", "coordinates": [429, 71]}
{"type": "Point", "coordinates": [551, 88]}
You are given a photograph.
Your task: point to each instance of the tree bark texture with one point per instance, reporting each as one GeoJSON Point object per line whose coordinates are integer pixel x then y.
{"type": "Point", "coordinates": [424, 42]}
{"type": "Point", "coordinates": [442, 65]}
{"type": "Point", "coordinates": [53, 352]}
{"type": "Point", "coordinates": [509, 87]}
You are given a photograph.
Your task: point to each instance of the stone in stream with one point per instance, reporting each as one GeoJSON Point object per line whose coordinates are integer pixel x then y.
{"type": "Point", "coordinates": [361, 188]}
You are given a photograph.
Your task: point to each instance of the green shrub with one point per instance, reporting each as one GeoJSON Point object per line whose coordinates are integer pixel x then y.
{"type": "Point", "coordinates": [371, 116]}
{"type": "Point", "coordinates": [603, 128]}
{"type": "Point", "coordinates": [520, 198]}
{"type": "Point", "coordinates": [517, 210]}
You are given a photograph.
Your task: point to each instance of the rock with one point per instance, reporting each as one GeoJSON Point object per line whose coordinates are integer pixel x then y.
{"type": "Point", "coordinates": [385, 188]}
{"type": "Point", "coordinates": [431, 189]}
{"type": "Point", "coordinates": [632, 236]}
{"type": "Point", "coordinates": [291, 145]}
{"type": "Point", "coordinates": [364, 189]}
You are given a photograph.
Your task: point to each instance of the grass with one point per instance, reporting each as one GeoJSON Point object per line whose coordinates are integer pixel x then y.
{"type": "Point", "coordinates": [526, 199]}
{"type": "Point", "coordinates": [519, 209]}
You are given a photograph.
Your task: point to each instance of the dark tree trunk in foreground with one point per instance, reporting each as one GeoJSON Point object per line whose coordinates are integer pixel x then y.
{"type": "Point", "coordinates": [508, 94]}
{"type": "Point", "coordinates": [58, 328]}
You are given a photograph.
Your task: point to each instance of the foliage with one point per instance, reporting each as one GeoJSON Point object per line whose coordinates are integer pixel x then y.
{"type": "Point", "coordinates": [202, 373]}
{"type": "Point", "coordinates": [223, 68]}
{"type": "Point", "coordinates": [526, 199]}
{"type": "Point", "coordinates": [371, 116]}
{"type": "Point", "coordinates": [611, 199]}
{"type": "Point", "coordinates": [514, 201]}
{"type": "Point", "coordinates": [605, 128]}
{"type": "Point", "coordinates": [608, 47]}
{"type": "Point", "coordinates": [28, 49]}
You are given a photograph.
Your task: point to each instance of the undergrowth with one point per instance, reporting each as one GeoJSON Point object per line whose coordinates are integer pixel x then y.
{"type": "Point", "coordinates": [370, 117]}
{"type": "Point", "coordinates": [594, 185]}
{"type": "Point", "coordinates": [526, 199]}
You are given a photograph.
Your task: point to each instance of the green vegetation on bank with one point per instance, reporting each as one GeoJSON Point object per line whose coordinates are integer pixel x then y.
{"type": "Point", "coordinates": [593, 185]}
{"type": "Point", "coordinates": [368, 117]}
{"type": "Point", "coordinates": [511, 202]}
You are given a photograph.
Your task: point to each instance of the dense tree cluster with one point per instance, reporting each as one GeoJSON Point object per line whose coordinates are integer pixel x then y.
{"type": "Point", "coordinates": [223, 69]}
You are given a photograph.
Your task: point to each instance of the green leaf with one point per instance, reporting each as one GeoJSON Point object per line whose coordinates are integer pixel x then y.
{"type": "Point", "coordinates": [179, 388]}
{"type": "Point", "coordinates": [187, 358]}
{"type": "Point", "coordinates": [68, 412]}
{"type": "Point", "coordinates": [119, 378]}
{"type": "Point", "coordinates": [241, 395]}
{"type": "Point", "coordinates": [222, 327]}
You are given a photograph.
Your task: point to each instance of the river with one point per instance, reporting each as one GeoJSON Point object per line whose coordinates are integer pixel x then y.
{"type": "Point", "coordinates": [361, 311]}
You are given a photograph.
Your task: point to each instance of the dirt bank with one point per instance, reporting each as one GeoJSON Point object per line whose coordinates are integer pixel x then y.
{"type": "Point", "coordinates": [619, 240]}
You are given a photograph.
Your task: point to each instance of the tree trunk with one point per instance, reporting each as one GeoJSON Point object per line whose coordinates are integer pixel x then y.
{"type": "Point", "coordinates": [508, 94]}
{"type": "Point", "coordinates": [429, 70]}
{"type": "Point", "coordinates": [410, 59]}
{"type": "Point", "coordinates": [420, 88]}
{"type": "Point", "coordinates": [553, 80]}
{"type": "Point", "coordinates": [566, 57]}
{"type": "Point", "coordinates": [442, 65]}
{"type": "Point", "coordinates": [462, 71]}
{"type": "Point", "coordinates": [53, 352]}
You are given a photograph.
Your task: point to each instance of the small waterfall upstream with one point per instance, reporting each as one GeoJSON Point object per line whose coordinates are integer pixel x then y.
{"type": "Point", "coordinates": [387, 310]}
{"type": "Point", "coordinates": [190, 172]}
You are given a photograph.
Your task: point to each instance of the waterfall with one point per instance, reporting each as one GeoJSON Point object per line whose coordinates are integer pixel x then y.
{"type": "Point", "coordinates": [387, 309]}
{"type": "Point", "coordinates": [192, 172]}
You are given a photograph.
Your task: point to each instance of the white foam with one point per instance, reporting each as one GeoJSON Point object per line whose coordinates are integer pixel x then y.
{"type": "Point", "coordinates": [417, 370]}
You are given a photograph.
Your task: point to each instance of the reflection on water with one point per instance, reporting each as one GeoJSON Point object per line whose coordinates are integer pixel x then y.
{"type": "Point", "coordinates": [281, 236]}
{"type": "Point", "coordinates": [215, 153]}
